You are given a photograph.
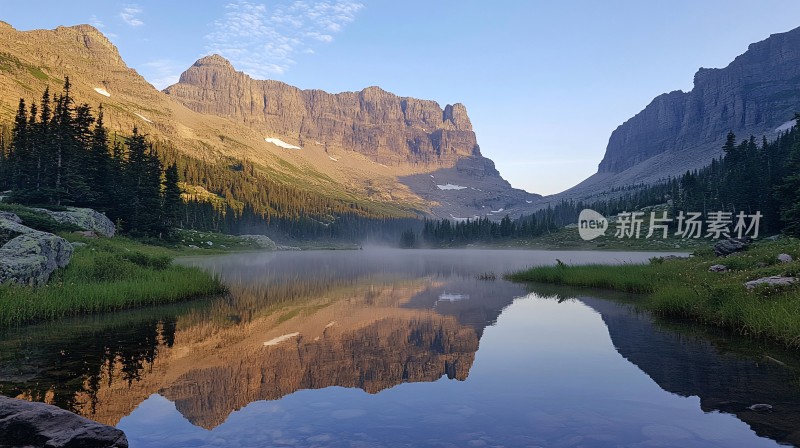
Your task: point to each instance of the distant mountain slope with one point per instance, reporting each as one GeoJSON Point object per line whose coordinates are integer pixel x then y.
{"type": "Point", "coordinates": [370, 147]}
{"type": "Point", "coordinates": [756, 94]}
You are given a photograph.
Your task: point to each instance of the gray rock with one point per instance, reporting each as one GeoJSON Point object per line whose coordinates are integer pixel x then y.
{"type": "Point", "coordinates": [78, 244]}
{"type": "Point", "coordinates": [263, 241]}
{"type": "Point", "coordinates": [785, 258]}
{"type": "Point", "coordinates": [730, 246]}
{"type": "Point", "coordinates": [192, 246]}
{"type": "Point", "coordinates": [84, 218]}
{"type": "Point", "coordinates": [28, 424]}
{"type": "Point", "coordinates": [282, 247]}
{"type": "Point", "coordinates": [718, 268]}
{"type": "Point", "coordinates": [775, 280]}
{"type": "Point", "coordinates": [10, 217]}
{"type": "Point", "coordinates": [33, 256]}
{"type": "Point", "coordinates": [773, 238]}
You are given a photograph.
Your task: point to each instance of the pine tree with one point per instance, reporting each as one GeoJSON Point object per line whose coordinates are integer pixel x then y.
{"type": "Point", "coordinates": [173, 203]}
{"type": "Point", "coordinates": [98, 166]}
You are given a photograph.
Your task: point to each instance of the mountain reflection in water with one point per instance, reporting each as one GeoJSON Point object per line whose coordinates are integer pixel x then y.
{"type": "Point", "coordinates": [373, 320]}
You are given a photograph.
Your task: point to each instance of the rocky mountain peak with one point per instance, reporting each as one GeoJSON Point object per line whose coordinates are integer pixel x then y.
{"type": "Point", "coordinates": [755, 94]}
{"type": "Point", "coordinates": [214, 60]}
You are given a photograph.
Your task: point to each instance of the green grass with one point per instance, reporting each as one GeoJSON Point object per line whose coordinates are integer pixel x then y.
{"type": "Point", "coordinates": [683, 288]}
{"type": "Point", "coordinates": [106, 275]}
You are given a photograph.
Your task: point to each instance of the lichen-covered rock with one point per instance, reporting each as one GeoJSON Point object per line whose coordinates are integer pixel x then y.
{"type": "Point", "coordinates": [785, 258]}
{"type": "Point", "coordinates": [10, 217]}
{"type": "Point", "coordinates": [263, 241]}
{"type": "Point", "coordinates": [33, 256]}
{"type": "Point", "coordinates": [29, 424]}
{"type": "Point", "coordinates": [84, 218]}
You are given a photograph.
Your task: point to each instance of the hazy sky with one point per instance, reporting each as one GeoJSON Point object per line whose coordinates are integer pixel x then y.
{"type": "Point", "coordinates": [545, 83]}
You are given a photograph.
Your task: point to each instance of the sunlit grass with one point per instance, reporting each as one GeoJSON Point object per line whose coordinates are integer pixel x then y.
{"type": "Point", "coordinates": [106, 275]}
{"type": "Point", "coordinates": [685, 288]}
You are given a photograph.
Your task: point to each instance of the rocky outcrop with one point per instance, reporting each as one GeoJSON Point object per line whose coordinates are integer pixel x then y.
{"type": "Point", "coordinates": [373, 122]}
{"type": "Point", "coordinates": [85, 218]}
{"type": "Point", "coordinates": [33, 256]}
{"type": "Point", "coordinates": [263, 241]}
{"type": "Point", "coordinates": [28, 424]}
{"type": "Point", "coordinates": [754, 94]}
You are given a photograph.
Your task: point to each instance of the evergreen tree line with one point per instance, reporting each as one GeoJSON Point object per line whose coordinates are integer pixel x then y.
{"type": "Point", "coordinates": [59, 154]}
{"type": "Point", "coordinates": [750, 176]}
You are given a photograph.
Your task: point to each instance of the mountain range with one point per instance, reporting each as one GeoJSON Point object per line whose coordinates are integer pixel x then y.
{"type": "Point", "coordinates": [407, 155]}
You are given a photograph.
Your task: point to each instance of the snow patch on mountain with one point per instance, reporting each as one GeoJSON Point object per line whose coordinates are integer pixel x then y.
{"type": "Point", "coordinates": [281, 143]}
{"type": "Point", "coordinates": [143, 117]}
{"type": "Point", "coordinates": [450, 187]}
{"type": "Point", "coordinates": [102, 91]}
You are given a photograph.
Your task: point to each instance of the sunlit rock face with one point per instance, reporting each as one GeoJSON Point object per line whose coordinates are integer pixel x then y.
{"type": "Point", "coordinates": [388, 128]}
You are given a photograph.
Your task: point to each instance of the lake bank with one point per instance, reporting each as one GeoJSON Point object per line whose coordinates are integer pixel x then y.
{"type": "Point", "coordinates": [688, 289]}
{"type": "Point", "coordinates": [106, 275]}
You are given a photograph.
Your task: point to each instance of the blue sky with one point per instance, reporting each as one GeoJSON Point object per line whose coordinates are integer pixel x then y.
{"type": "Point", "coordinates": [545, 83]}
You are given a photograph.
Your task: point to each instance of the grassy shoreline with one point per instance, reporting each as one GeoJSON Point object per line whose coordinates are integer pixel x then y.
{"type": "Point", "coordinates": [685, 289]}
{"type": "Point", "coordinates": [106, 275]}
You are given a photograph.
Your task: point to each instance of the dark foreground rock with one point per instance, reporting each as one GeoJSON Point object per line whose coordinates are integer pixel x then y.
{"type": "Point", "coordinates": [27, 424]}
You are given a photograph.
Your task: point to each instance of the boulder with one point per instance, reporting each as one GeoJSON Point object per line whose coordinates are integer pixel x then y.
{"type": "Point", "coordinates": [84, 218]}
{"type": "Point", "coordinates": [785, 258]}
{"type": "Point", "coordinates": [29, 424]}
{"type": "Point", "coordinates": [718, 268]}
{"type": "Point", "coordinates": [263, 241]}
{"type": "Point", "coordinates": [730, 246]}
{"type": "Point", "coordinates": [33, 256]}
{"type": "Point", "coordinates": [775, 280]}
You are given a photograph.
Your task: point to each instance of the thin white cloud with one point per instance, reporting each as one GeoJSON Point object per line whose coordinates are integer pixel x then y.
{"type": "Point", "coordinates": [130, 14]}
{"type": "Point", "coordinates": [263, 41]}
{"type": "Point", "coordinates": [95, 22]}
{"type": "Point", "coordinates": [162, 73]}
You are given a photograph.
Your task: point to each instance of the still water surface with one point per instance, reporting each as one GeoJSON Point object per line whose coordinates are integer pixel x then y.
{"type": "Point", "coordinates": [406, 348]}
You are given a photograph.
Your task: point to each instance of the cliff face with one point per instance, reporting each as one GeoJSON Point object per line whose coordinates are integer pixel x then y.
{"type": "Point", "coordinates": [755, 94]}
{"type": "Point", "coordinates": [387, 128]}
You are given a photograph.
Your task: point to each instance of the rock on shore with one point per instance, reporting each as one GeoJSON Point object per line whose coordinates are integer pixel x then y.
{"type": "Point", "coordinates": [30, 424]}
{"type": "Point", "coordinates": [32, 256]}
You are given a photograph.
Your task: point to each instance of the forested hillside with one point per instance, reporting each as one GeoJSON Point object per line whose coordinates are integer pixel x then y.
{"type": "Point", "coordinates": [57, 153]}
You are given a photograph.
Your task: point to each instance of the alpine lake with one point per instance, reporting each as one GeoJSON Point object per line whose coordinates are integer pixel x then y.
{"type": "Point", "coordinates": [407, 348]}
